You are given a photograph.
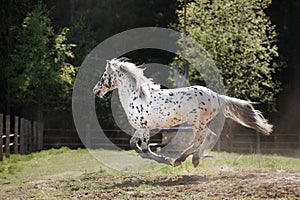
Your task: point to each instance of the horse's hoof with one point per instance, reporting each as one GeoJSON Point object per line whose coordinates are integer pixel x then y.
{"type": "Point", "coordinates": [177, 163]}
{"type": "Point", "coordinates": [164, 160]}
{"type": "Point", "coordinates": [145, 150]}
{"type": "Point", "coordinates": [168, 161]}
{"type": "Point", "coordinates": [195, 162]}
{"type": "Point", "coordinates": [145, 147]}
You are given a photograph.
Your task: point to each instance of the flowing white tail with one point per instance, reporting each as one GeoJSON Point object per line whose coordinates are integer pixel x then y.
{"type": "Point", "coordinates": [243, 112]}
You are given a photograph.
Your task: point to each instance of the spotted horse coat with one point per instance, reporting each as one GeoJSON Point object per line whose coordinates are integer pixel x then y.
{"type": "Point", "coordinates": [149, 107]}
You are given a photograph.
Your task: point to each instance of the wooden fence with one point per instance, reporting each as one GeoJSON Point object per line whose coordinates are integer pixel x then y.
{"type": "Point", "coordinates": [55, 138]}
{"type": "Point", "coordinates": [242, 141]}
{"type": "Point", "coordinates": [249, 141]}
{"type": "Point", "coordinates": [19, 135]}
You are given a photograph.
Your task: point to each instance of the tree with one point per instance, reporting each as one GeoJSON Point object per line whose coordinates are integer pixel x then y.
{"type": "Point", "coordinates": [241, 40]}
{"type": "Point", "coordinates": [11, 15]}
{"type": "Point", "coordinates": [80, 32]}
{"type": "Point", "coordinates": [40, 76]}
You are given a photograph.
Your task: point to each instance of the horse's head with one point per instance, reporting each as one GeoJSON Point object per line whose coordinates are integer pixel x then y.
{"type": "Point", "coordinates": [108, 80]}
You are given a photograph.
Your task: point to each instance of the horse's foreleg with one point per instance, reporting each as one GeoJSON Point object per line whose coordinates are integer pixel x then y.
{"type": "Point", "coordinates": [208, 143]}
{"type": "Point", "coordinates": [198, 140]}
{"type": "Point", "coordinates": [153, 156]}
{"type": "Point", "coordinates": [145, 137]}
{"type": "Point", "coordinates": [144, 151]}
{"type": "Point", "coordinates": [134, 143]}
{"type": "Point", "coordinates": [142, 135]}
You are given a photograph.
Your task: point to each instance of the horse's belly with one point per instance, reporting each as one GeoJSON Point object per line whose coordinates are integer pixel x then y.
{"type": "Point", "coordinates": [166, 118]}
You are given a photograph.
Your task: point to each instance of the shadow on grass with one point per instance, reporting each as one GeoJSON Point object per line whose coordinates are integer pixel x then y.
{"type": "Point", "coordinates": [174, 181]}
{"type": "Point", "coordinates": [159, 181]}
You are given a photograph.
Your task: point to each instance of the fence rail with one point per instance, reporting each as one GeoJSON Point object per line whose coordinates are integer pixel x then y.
{"type": "Point", "coordinates": [69, 137]}
{"type": "Point", "coordinates": [18, 135]}
{"type": "Point", "coordinates": [244, 141]}
{"type": "Point", "coordinates": [251, 142]}
{"type": "Point", "coordinates": [23, 136]}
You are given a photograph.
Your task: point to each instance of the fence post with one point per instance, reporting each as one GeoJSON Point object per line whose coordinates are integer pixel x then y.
{"type": "Point", "coordinates": [22, 137]}
{"type": "Point", "coordinates": [299, 139]}
{"type": "Point", "coordinates": [1, 137]}
{"type": "Point", "coordinates": [35, 136]}
{"type": "Point", "coordinates": [16, 135]}
{"type": "Point", "coordinates": [219, 144]}
{"type": "Point", "coordinates": [40, 134]}
{"type": "Point", "coordinates": [258, 142]}
{"type": "Point", "coordinates": [7, 138]}
{"type": "Point", "coordinates": [26, 135]}
{"type": "Point", "coordinates": [30, 136]}
{"type": "Point", "coordinates": [88, 136]}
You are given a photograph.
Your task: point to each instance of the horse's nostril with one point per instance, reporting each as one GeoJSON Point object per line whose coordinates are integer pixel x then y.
{"type": "Point", "coordinates": [95, 90]}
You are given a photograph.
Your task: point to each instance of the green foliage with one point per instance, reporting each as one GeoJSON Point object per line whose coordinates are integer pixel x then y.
{"type": "Point", "coordinates": [39, 70]}
{"type": "Point", "coordinates": [12, 13]}
{"type": "Point", "coordinates": [241, 40]}
{"type": "Point", "coordinates": [81, 34]}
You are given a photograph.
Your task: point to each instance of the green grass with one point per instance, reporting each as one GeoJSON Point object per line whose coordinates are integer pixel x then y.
{"type": "Point", "coordinates": [250, 161]}
{"type": "Point", "coordinates": [63, 173]}
{"type": "Point", "coordinates": [233, 161]}
{"type": "Point", "coordinates": [65, 162]}
{"type": "Point", "coordinates": [42, 165]}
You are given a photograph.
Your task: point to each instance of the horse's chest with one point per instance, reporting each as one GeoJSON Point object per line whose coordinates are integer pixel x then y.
{"type": "Point", "coordinates": [138, 114]}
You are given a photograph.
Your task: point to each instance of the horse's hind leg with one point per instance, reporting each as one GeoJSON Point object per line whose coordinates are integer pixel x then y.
{"type": "Point", "coordinates": [208, 143]}
{"type": "Point", "coordinates": [198, 140]}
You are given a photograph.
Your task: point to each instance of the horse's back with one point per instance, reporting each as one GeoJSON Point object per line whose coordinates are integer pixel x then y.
{"type": "Point", "coordinates": [170, 107]}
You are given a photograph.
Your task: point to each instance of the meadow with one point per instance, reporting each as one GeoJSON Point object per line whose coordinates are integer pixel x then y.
{"type": "Point", "coordinates": [72, 174]}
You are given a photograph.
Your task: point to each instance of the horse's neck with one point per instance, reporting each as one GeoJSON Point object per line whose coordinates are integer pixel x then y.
{"type": "Point", "coordinates": [126, 87]}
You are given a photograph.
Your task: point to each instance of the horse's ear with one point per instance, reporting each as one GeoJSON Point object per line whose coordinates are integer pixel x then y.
{"type": "Point", "coordinates": [109, 67]}
{"type": "Point", "coordinates": [123, 68]}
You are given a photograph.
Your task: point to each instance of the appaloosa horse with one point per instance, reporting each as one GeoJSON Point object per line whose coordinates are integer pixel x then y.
{"type": "Point", "coordinates": [149, 107]}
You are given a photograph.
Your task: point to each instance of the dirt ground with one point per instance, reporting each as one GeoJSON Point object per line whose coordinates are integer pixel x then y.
{"type": "Point", "coordinates": [242, 184]}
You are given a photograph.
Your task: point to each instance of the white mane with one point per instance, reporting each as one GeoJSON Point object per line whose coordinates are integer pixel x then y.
{"type": "Point", "coordinates": [136, 72]}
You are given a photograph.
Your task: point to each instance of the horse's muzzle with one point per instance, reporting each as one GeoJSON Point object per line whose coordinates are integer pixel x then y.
{"type": "Point", "coordinates": [97, 92]}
